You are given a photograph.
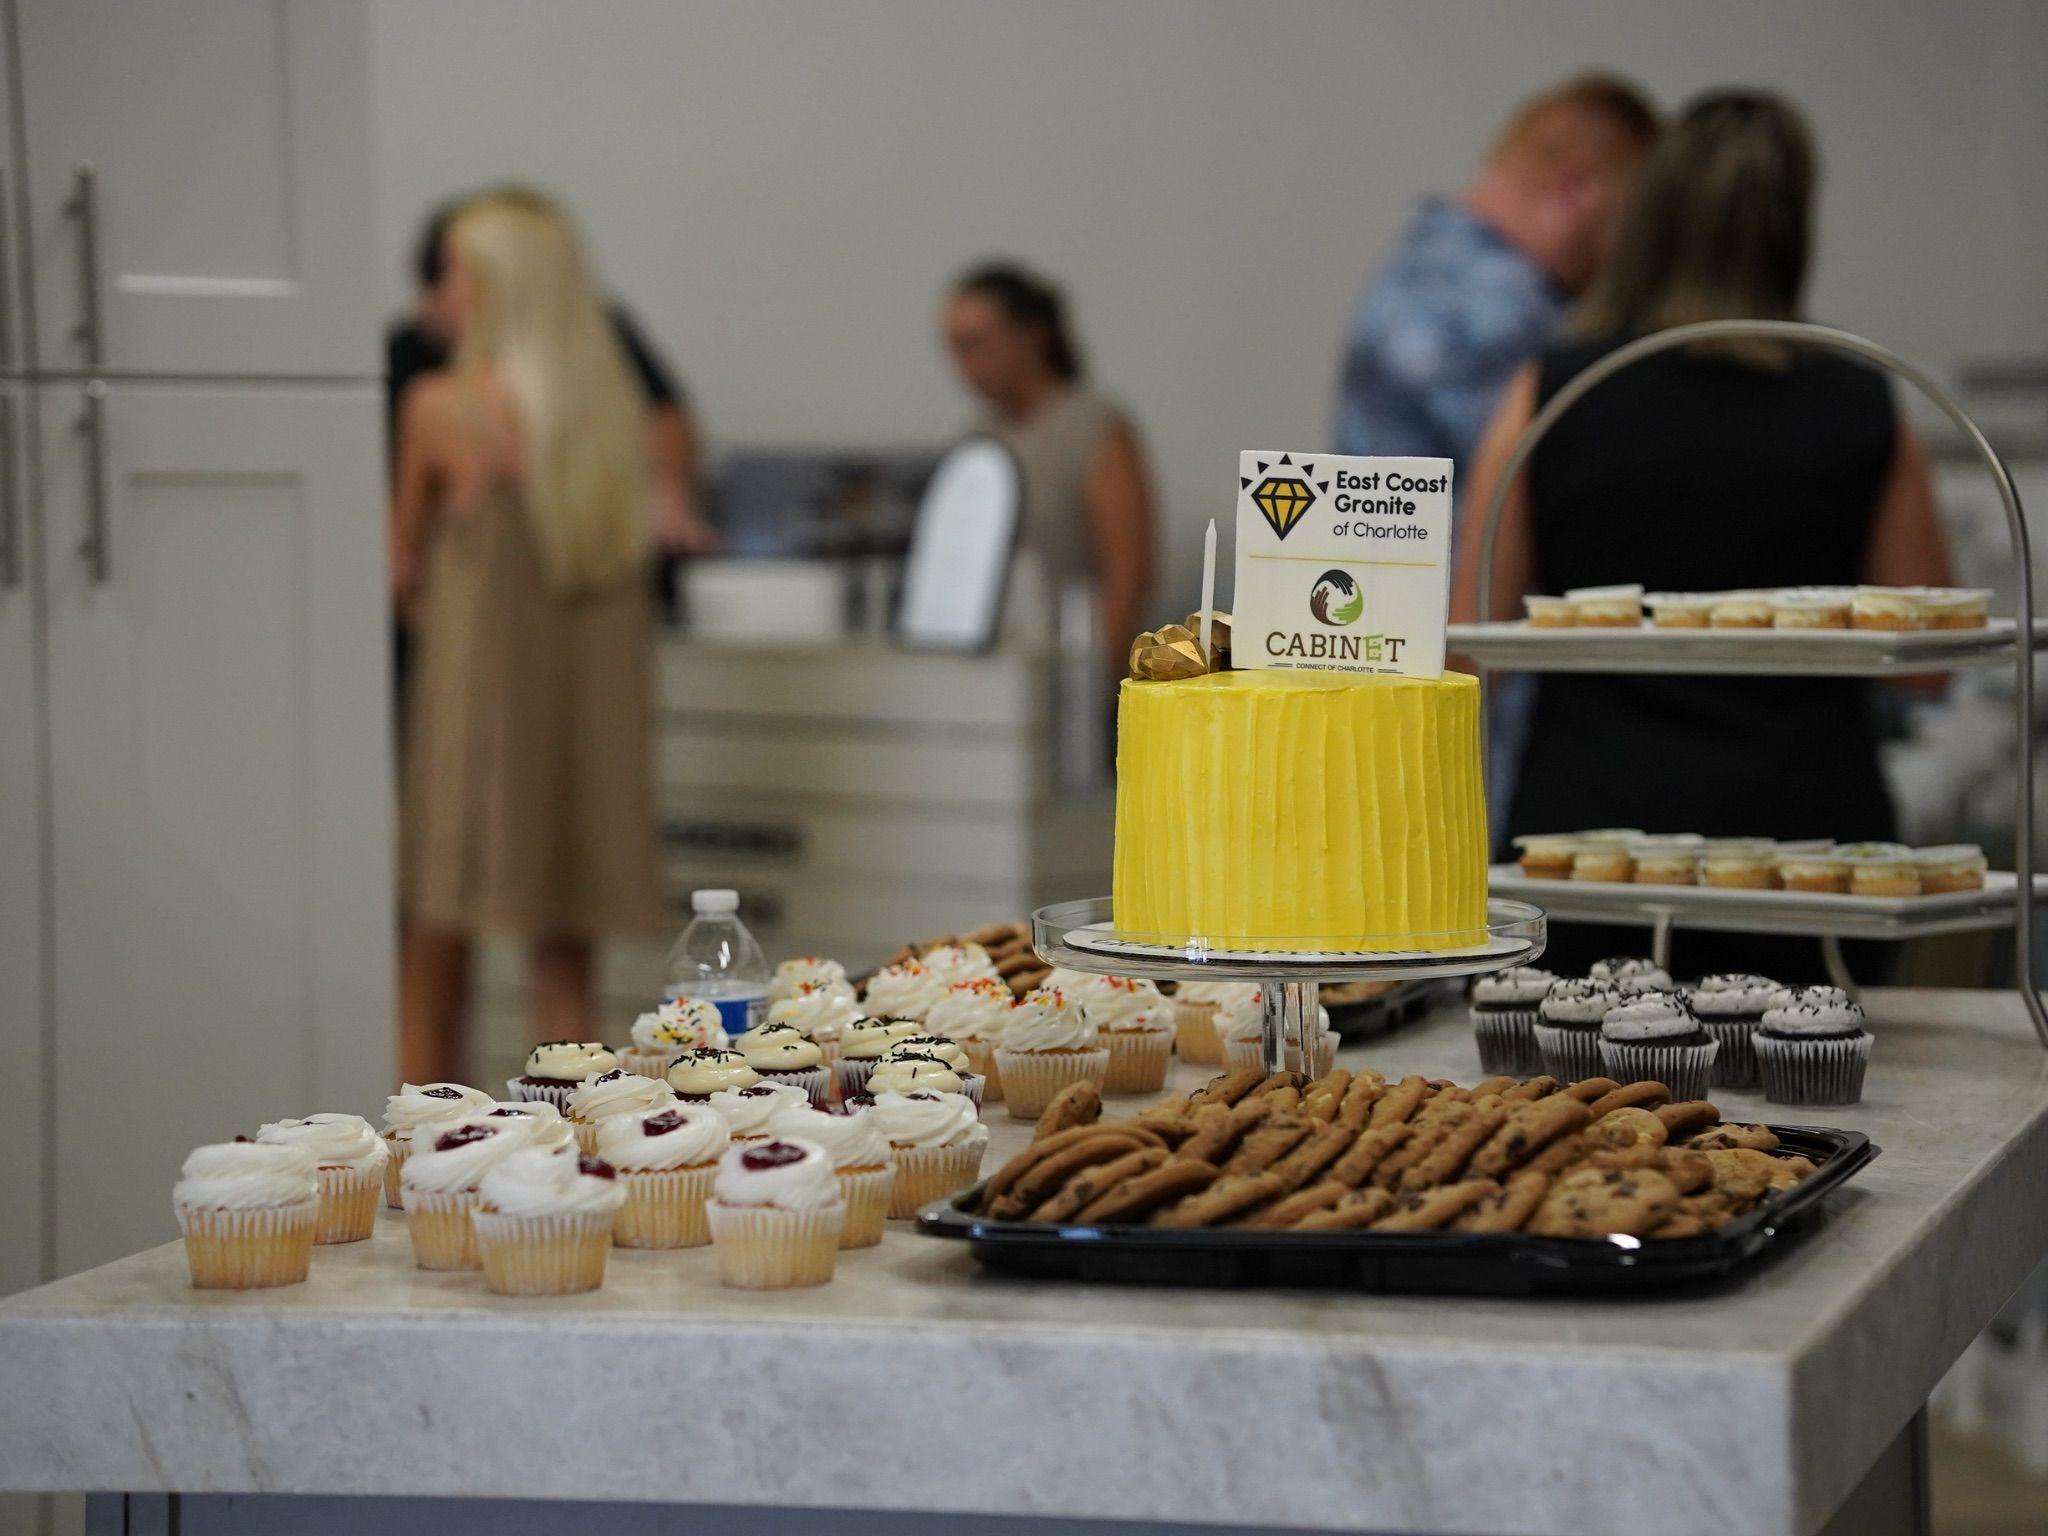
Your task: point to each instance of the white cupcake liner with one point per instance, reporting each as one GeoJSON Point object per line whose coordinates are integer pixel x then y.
{"type": "Point", "coordinates": [1813, 1071]}
{"type": "Point", "coordinates": [246, 1250]}
{"type": "Point", "coordinates": [765, 1248]}
{"type": "Point", "coordinates": [866, 1193]}
{"type": "Point", "coordinates": [393, 1166]}
{"type": "Point", "coordinates": [1506, 1038]}
{"type": "Point", "coordinates": [1031, 1079]}
{"type": "Point", "coordinates": [981, 1056]}
{"type": "Point", "coordinates": [543, 1255]}
{"type": "Point", "coordinates": [443, 1234]}
{"type": "Point", "coordinates": [925, 1174]}
{"type": "Point", "coordinates": [664, 1207]}
{"type": "Point", "coordinates": [816, 1082]}
{"type": "Point", "coordinates": [550, 1092]}
{"type": "Point", "coordinates": [1735, 1066]}
{"type": "Point", "coordinates": [1687, 1070]}
{"type": "Point", "coordinates": [1568, 1054]}
{"type": "Point", "coordinates": [348, 1204]}
{"type": "Point", "coordinates": [1194, 1034]}
{"type": "Point", "coordinates": [1138, 1059]}
{"type": "Point", "coordinates": [649, 1063]}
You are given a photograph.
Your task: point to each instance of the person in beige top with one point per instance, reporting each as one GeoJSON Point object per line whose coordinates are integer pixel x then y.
{"type": "Point", "coordinates": [519, 534]}
{"type": "Point", "coordinates": [1088, 504]}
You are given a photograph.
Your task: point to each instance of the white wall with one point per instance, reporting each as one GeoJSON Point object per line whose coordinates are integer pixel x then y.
{"type": "Point", "coordinates": [780, 188]}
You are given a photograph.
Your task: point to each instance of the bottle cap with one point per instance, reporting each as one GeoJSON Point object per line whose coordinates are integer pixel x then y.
{"type": "Point", "coordinates": [714, 901]}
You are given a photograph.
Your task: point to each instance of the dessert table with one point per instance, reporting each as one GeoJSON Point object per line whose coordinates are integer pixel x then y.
{"type": "Point", "coordinates": [1782, 1404]}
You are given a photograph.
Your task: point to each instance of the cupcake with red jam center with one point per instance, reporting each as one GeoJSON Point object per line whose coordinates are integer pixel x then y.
{"type": "Point", "coordinates": [440, 1182]}
{"type": "Point", "coordinates": [415, 1105]}
{"type": "Point", "coordinates": [666, 1159]}
{"type": "Point", "coordinates": [350, 1157]}
{"type": "Point", "coordinates": [861, 1158]}
{"type": "Point", "coordinates": [776, 1214]}
{"type": "Point", "coordinates": [544, 1222]}
{"type": "Point", "coordinates": [747, 1111]}
{"type": "Point", "coordinates": [555, 1067]}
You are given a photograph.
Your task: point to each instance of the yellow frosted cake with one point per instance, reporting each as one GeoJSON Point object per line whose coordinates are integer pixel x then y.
{"type": "Point", "coordinates": [1264, 805]}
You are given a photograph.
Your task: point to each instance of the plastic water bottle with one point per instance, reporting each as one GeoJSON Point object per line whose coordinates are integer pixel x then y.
{"type": "Point", "coordinates": [717, 960]}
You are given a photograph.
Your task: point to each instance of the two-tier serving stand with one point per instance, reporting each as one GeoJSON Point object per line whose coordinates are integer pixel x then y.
{"type": "Point", "coordinates": [2006, 899]}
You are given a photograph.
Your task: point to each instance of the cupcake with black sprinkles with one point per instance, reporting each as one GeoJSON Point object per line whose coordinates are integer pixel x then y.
{"type": "Point", "coordinates": [1813, 1049]}
{"type": "Point", "coordinates": [1730, 1008]}
{"type": "Point", "coordinates": [1653, 1037]}
{"type": "Point", "coordinates": [1504, 1010]}
{"type": "Point", "coordinates": [1568, 1027]}
{"type": "Point", "coordinates": [1631, 973]}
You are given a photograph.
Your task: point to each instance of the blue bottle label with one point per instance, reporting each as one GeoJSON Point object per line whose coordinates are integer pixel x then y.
{"type": "Point", "coordinates": [739, 1014]}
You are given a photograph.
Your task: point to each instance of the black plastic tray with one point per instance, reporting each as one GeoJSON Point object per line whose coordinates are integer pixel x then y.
{"type": "Point", "coordinates": [1377, 1015]}
{"type": "Point", "coordinates": [1466, 1263]}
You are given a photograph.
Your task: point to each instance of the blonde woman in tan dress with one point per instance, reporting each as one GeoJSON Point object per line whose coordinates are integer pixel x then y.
{"type": "Point", "coordinates": [519, 532]}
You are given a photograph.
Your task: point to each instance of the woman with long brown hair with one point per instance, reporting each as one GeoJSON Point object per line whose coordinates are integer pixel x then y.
{"type": "Point", "coordinates": [1708, 468]}
{"type": "Point", "coordinates": [519, 533]}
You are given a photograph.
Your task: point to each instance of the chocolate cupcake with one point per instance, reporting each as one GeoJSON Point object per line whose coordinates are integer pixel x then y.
{"type": "Point", "coordinates": [1729, 1007]}
{"type": "Point", "coordinates": [555, 1067]}
{"type": "Point", "coordinates": [696, 1075]}
{"type": "Point", "coordinates": [1813, 1048]}
{"type": "Point", "coordinates": [781, 1053]}
{"type": "Point", "coordinates": [1568, 1027]}
{"type": "Point", "coordinates": [1504, 1012]}
{"type": "Point", "coordinates": [1653, 1037]}
{"type": "Point", "coordinates": [1629, 974]}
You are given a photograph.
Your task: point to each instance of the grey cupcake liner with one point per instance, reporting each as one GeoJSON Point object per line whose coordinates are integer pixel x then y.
{"type": "Point", "coordinates": [1507, 1041]}
{"type": "Point", "coordinates": [1568, 1054]}
{"type": "Point", "coordinates": [1813, 1071]}
{"type": "Point", "coordinates": [1686, 1070]}
{"type": "Point", "coordinates": [1735, 1066]}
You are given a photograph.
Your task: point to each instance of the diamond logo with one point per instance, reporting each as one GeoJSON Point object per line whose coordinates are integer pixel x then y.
{"type": "Point", "coordinates": [1283, 499]}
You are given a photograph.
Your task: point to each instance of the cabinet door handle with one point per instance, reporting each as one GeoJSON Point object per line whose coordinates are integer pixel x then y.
{"type": "Point", "coordinates": [92, 548]}
{"type": "Point", "coordinates": [84, 206]}
{"type": "Point", "coordinates": [10, 498]}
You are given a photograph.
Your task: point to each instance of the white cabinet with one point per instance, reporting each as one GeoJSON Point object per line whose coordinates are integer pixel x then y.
{"type": "Point", "coordinates": [198, 186]}
{"type": "Point", "coordinates": [22, 1016]}
{"type": "Point", "coordinates": [219, 750]}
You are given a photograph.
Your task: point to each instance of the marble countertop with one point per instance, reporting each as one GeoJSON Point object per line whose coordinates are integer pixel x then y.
{"type": "Point", "coordinates": [915, 1381]}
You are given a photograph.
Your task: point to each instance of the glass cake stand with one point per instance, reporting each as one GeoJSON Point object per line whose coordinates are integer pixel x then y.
{"type": "Point", "coordinates": [1081, 936]}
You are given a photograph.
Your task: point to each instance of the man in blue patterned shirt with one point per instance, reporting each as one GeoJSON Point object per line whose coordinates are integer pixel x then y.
{"type": "Point", "coordinates": [1481, 283]}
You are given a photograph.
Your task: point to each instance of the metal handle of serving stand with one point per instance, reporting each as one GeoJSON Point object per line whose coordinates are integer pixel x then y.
{"type": "Point", "coordinates": [1804, 334]}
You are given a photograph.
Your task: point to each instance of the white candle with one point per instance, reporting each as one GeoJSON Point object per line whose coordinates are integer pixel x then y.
{"type": "Point", "coordinates": [1208, 591]}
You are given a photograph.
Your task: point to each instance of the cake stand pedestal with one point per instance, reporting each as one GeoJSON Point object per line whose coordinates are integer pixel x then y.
{"type": "Point", "coordinates": [1082, 936]}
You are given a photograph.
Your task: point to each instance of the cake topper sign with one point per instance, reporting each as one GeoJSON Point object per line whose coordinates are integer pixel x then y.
{"type": "Point", "coordinates": [1343, 564]}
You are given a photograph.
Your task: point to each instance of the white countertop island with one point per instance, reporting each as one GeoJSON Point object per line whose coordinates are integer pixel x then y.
{"type": "Point", "coordinates": [916, 1382]}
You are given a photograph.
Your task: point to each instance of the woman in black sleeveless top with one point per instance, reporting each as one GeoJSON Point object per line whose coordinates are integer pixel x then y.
{"type": "Point", "coordinates": [1706, 470]}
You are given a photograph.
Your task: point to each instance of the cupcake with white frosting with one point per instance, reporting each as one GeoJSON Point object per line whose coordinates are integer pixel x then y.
{"type": "Point", "coordinates": [776, 1214]}
{"type": "Point", "coordinates": [783, 1055]}
{"type": "Point", "coordinates": [747, 1111]}
{"type": "Point", "coordinates": [617, 1092]}
{"type": "Point", "coordinates": [665, 1159]}
{"type": "Point", "coordinates": [974, 1013]}
{"type": "Point", "coordinates": [1812, 1048]}
{"type": "Point", "coordinates": [860, 1158]}
{"type": "Point", "coordinates": [248, 1211]}
{"type": "Point", "coordinates": [804, 971]}
{"type": "Point", "coordinates": [679, 1025]}
{"type": "Point", "coordinates": [1631, 973]}
{"type": "Point", "coordinates": [697, 1075]}
{"type": "Point", "coordinates": [1195, 1005]}
{"type": "Point", "coordinates": [930, 1057]}
{"type": "Point", "coordinates": [415, 1105]}
{"type": "Point", "coordinates": [861, 1045]}
{"type": "Point", "coordinates": [1568, 1026]}
{"type": "Point", "coordinates": [544, 1222]}
{"type": "Point", "coordinates": [958, 962]}
{"type": "Point", "coordinates": [1136, 1022]}
{"type": "Point", "coordinates": [819, 1011]}
{"type": "Point", "coordinates": [439, 1185]}
{"type": "Point", "coordinates": [350, 1157]}
{"type": "Point", "coordinates": [1654, 1037]}
{"type": "Point", "coordinates": [1241, 1028]}
{"type": "Point", "coordinates": [1503, 1011]}
{"type": "Point", "coordinates": [935, 1141]}
{"type": "Point", "coordinates": [1048, 1045]}
{"type": "Point", "coordinates": [555, 1067]}
{"type": "Point", "coordinates": [905, 991]}
{"type": "Point", "coordinates": [540, 1123]}
{"type": "Point", "coordinates": [1730, 1007]}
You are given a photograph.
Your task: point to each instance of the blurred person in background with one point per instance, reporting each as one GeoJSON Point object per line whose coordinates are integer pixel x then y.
{"type": "Point", "coordinates": [1088, 506]}
{"type": "Point", "coordinates": [1708, 468]}
{"type": "Point", "coordinates": [519, 535]}
{"type": "Point", "coordinates": [1480, 283]}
